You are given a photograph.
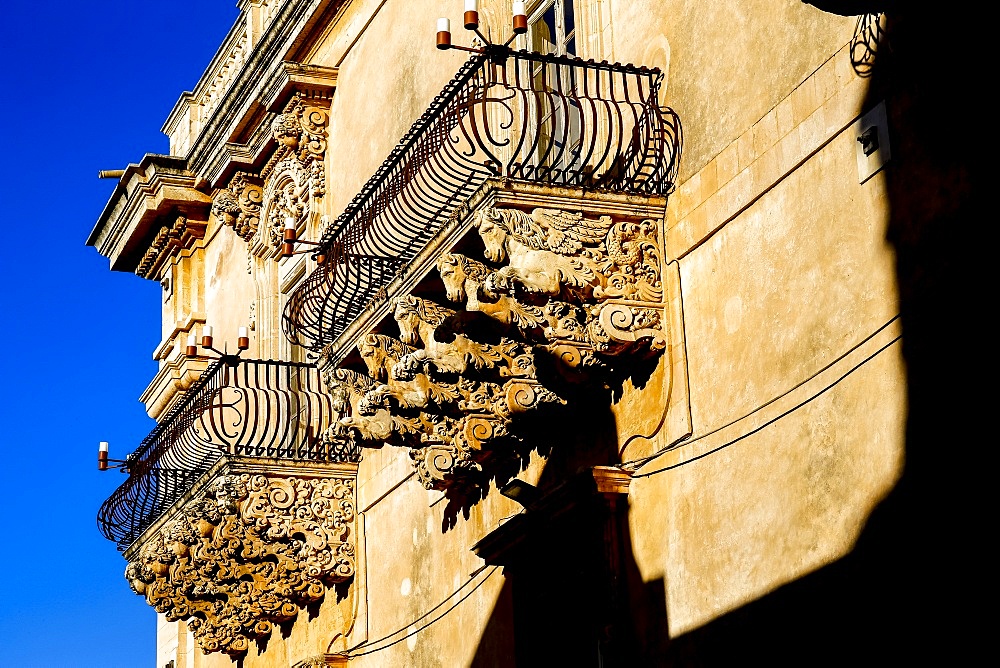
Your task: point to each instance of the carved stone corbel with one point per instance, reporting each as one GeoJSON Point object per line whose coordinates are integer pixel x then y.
{"type": "Point", "coordinates": [168, 242]}
{"type": "Point", "coordinates": [249, 551]}
{"type": "Point", "coordinates": [238, 205]}
{"type": "Point", "coordinates": [580, 292]}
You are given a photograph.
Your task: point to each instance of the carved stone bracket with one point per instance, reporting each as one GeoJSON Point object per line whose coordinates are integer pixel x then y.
{"type": "Point", "coordinates": [290, 185]}
{"type": "Point", "coordinates": [168, 242]}
{"type": "Point", "coordinates": [247, 551]}
{"type": "Point", "coordinates": [238, 205]}
{"type": "Point", "coordinates": [577, 292]}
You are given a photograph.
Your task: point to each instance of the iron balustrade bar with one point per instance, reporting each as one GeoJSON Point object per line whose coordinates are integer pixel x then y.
{"type": "Point", "coordinates": [253, 408]}
{"type": "Point", "coordinates": [548, 119]}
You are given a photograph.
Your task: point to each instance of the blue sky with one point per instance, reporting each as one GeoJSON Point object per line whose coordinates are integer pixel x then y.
{"type": "Point", "coordinates": [85, 87]}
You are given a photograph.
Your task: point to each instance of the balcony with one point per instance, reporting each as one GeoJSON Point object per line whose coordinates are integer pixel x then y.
{"type": "Point", "coordinates": [253, 409]}
{"type": "Point", "coordinates": [535, 118]}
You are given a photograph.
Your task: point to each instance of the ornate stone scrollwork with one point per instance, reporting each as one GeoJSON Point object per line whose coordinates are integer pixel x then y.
{"type": "Point", "coordinates": [289, 186]}
{"type": "Point", "coordinates": [238, 205]}
{"type": "Point", "coordinates": [575, 291]}
{"type": "Point", "coordinates": [247, 553]}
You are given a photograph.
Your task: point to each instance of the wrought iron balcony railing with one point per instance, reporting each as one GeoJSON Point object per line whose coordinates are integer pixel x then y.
{"type": "Point", "coordinates": [542, 118]}
{"type": "Point", "coordinates": [253, 409]}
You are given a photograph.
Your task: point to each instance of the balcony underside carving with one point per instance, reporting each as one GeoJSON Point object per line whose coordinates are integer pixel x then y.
{"type": "Point", "coordinates": [561, 301]}
{"type": "Point", "coordinates": [248, 551]}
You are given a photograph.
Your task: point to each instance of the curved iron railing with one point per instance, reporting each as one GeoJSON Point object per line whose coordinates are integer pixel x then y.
{"type": "Point", "coordinates": [549, 119]}
{"type": "Point", "coordinates": [254, 409]}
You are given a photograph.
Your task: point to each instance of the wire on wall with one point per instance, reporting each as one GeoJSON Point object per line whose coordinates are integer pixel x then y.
{"type": "Point", "coordinates": [636, 464]}
{"type": "Point", "coordinates": [367, 647]}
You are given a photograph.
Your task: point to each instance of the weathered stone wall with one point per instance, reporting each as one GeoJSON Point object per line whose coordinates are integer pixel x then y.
{"type": "Point", "coordinates": [783, 268]}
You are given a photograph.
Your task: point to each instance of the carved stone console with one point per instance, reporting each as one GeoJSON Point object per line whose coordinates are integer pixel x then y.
{"type": "Point", "coordinates": [247, 548]}
{"type": "Point", "coordinates": [568, 293]}
{"type": "Point", "coordinates": [290, 185]}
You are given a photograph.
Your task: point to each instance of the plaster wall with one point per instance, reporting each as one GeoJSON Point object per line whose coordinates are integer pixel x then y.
{"type": "Point", "coordinates": [798, 415]}
{"type": "Point", "coordinates": [388, 76]}
{"type": "Point", "coordinates": [229, 288]}
{"type": "Point", "coordinates": [729, 62]}
{"type": "Point", "coordinates": [780, 274]}
{"type": "Point", "coordinates": [417, 557]}
{"type": "Point", "coordinates": [773, 298]}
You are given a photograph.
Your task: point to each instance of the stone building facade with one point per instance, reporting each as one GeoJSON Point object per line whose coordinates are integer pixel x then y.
{"type": "Point", "coordinates": [528, 356]}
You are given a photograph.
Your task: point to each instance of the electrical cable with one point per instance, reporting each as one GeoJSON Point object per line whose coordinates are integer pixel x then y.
{"type": "Point", "coordinates": [774, 419]}
{"type": "Point", "coordinates": [371, 650]}
{"type": "Point", "coordinates": [638, 463]}
{"type": "Point", "coordinates": [635, 464]}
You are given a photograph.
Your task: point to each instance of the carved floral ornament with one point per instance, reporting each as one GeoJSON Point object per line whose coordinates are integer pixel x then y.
{"type": "Point", "coordinates": [246, 554]}
{"type": "Point", "coordinates": [288, 187]}
{"type": "Point", "coordinates": [569, 292]}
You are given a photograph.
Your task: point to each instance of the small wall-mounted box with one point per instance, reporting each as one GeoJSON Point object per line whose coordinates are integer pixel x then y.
{"type": "Point", "coordinates": [871, 134]}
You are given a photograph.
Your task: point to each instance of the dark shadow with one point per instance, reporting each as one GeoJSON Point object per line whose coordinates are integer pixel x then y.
{"type": "Point", "coordinates": [285, 628]}
{"type": "Point", "coordinates": [908, 593]}
{"type": "Point", "coordinates": [573, 594]}
{"type": "Point", "coordinates": [915, 589]}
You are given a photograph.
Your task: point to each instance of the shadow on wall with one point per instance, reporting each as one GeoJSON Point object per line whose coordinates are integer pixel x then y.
{"type": "Point", "coordinates": [915, 587]}
{"type": "Point", "coordinates": [908, 591]}
{"type": "Point", "coordinates": [573, 594]}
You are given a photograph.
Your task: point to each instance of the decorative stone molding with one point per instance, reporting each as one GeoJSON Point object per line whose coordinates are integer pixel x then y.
{"type": "Point", "coordinates": [574, 292]}
{"type": "Point", "coordinates": [173, 379]}
{"type": "Point", "coordinates": [156, 211]}
{"type": "Point", "coordinates": [294, 177]}
{"type": "Point", "coordinates": [288, 188]}
{"type": "Point", "coordinates": [170, 240]}
{"type": "Point", "coordinates": [248, 551]}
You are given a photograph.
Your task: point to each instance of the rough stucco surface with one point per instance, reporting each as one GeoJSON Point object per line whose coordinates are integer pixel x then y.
{"type": "Point", "coordinates": [386, 81]}
{"type": "Point", "coordinates": [729, 62]}
{"type": "Point", "coordinates": [229, 287]}
{"type": "Point", "coordinates": [776, 295]}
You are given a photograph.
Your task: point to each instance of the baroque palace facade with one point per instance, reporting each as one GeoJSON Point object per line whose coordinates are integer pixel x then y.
{"type": "Point", "coordinates": [472, 356]}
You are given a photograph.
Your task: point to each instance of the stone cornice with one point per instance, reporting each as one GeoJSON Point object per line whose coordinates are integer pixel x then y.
{"type": "Point", "coordinates": [252, 99]}
{"type": "Point", "coordinates": [583, 492]}
{"type": "Point", "coordinates": [262, 78]}
{"type": "Point", "coordinates": [289, 79]}
{"type": "Point", "coordinates": [171, 381]}
{"type": "Point", "coordinates": [148, 197]}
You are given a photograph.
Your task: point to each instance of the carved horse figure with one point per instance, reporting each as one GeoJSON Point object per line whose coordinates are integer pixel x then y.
{"type": "Point", "coordinates": [348, 389]}
{"type": "Point", "coordinates": [448, 351]}
{"type": "Point", "coordinates": [473, 282]}
{"type": "Point", "coordinates": [381, 354]}
{"type": "Point", "coordinates": [548, 251]}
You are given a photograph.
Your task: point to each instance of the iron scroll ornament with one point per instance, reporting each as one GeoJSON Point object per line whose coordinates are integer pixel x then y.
{"type": "Point", "coordinates": [547, 119]}
{"type": "Point", "coordinates": [258, 408]}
